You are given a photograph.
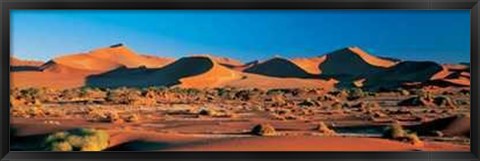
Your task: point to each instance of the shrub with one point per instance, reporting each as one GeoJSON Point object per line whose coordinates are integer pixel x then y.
{"type": "Point", "coordinates": [309, 102]}
{"type": "Point", "coordinates": [132, 118]}
{"type": "Point", "coordinates": [77, 140]}
{"type": "Point", "coordinates": [444, 101]}
{"type": "Point", "coordinates": [215, 113]}
{"type": "Point", "coordinates": [263, 130]}
{"type": "Point", "coordinates": [465, 92]}
{"type": "Point", "coordinates": [403, 92]}
{"type": "Point", "coordinates": [105, 116]}
{"type": "Point", "coordinates": [123, 96]}
{"type": "Point", "coordinates": [207, 112]}
{"type": "Point", "coordinates": [325, 130]}
{"type": "Point", "coordinates": [395, 131]}
{"type": "Point", "coordinates": [414, 139]}
{"type": "Point", "coordinates": [336, 106]}
{"type": "Point", "coordinates": [355, 93]}
{"type": "Point", "coordinates": [244, 95]}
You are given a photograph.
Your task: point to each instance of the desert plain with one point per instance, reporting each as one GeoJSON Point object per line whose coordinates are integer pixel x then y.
{"type": "Point", "coordinates": [114, 99]}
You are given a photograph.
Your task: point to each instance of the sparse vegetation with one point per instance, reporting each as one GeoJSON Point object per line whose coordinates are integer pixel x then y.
{"type": "Point", "coordinates": [309, 102]}
{"type": "Point", "coordinates": [105, 116]}
{"type": "Point", "coordinates": [323, 129]}
{"type": "Point", "coordinates": [264, 130]}
{"type": "Point", "coordinates": [355, 93]}
{"type": "Point", "coordinates": [77, 140]}
{"type": "Point", "coordinates": [123, 96]}
{"type": "Point", "coordinates": [396, 132]}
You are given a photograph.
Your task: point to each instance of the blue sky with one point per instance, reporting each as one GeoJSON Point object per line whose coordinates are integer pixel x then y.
{"type": "Point", "coordinates": [442, 36]}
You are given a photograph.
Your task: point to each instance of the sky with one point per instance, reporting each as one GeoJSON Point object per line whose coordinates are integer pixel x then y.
{"type": "Point", "coordinates": [246, 35]}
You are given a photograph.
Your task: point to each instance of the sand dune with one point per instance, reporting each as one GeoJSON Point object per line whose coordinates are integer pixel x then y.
{"type": "Point", "coordinates": [279, 67]}
{"type": "Point", "coordinates": [47, 79]}
{"type": "Point", "coordinates": [195, 71]}
{"type": "Point", "coordinates": [117, 65]}
{"type": "Point", "coordinates": [18, 65]}
{"type": "Point", "coordinates": [404, 72]}
{"type": "Point", "coordinates": [352, 63]}
{"type": "Point", "coordinates": [19, 62]}
{"type": "Point", "coordinates": [105, 59]}
{"type": "Point", "coordinates": [266, 82]}
{"type": "Point", "coordinates": [449, 126]}
{"type": "Point", "coordinates": [310, 65]}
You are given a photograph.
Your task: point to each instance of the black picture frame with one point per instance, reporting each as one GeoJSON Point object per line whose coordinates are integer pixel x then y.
{"type": "Point", "coordinates": [8, 5]}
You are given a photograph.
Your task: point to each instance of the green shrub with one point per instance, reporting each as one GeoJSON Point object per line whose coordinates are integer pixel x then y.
{"type": "Point", "coordinates": [77, 140]}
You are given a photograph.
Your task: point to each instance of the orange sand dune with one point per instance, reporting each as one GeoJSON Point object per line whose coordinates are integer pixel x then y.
{"type": "Point", "coordinates": [456, 67]}
{"type": "Point", "coordinates": [19, 62]}
{"type": "Point", "coordinates": [266, 82]}
{"type": "Point", "coordinates": [279, 67]}
{"type": "Point", "coordinates": [105, 59]}
{"type": "Point", "coordinates": [229, 62]}
{"type": "Point", "coordinates": [441, 74]}
{"type": "Point", "coordinates": [48, 79]}
{"type": "Point", "coordinates": [457, 82]}
{"type": "Point", "coordinates": [311, 65]}
{"type": "Point", "coordinates": [370, 59]}
{"type": "Point", "coordinates": [198, 72]}
{"type": "Point", "coordinates": [352, 63]}
{"type": "Point", "coordinates": [194, 72]}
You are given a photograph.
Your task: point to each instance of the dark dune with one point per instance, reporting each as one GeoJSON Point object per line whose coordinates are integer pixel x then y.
{"type": "Point", "coordinates": [19, 65]}
{"type": "Point", "coordinates": [279, 67]}
{"type": "Point", "coordinates": [348, 64]}
{"type": "Point", "coordinates": [450, 126]}
{"type": "Point", "coordinates": [25, 69]}
{"type": "Point", "coordinates": [408, 71]}
{"type": "Point", "coordinates": [141, 77]}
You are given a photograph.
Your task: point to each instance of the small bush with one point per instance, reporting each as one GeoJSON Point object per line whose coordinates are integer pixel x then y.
{"type": "Point", "coordinates": [403, 92]}
{"type": "Point", "coordinates": [337, 106]}
{"type": "Point", "coordinates": [325, 130]}
{"type": "Point", "coordinates": [263, 130]}
{"type": "Point", "coordinates": [414, 140]}
{"type": "Point", "coordinates": [444, 101]}
{"type": "Point", "coordinates": [309, 102]}
{"type": "Point", "coordinates": [396, 132]}
{"type": "Point", "coordinates": [77, 140]}
{"type": "Point", "coordinates": [105, 116]}
{"type": "Point", "coordinates": [215, 113]}
{"type": "Point", "coordinates": [123, 96]}
{"type": "Point", "coordinates": [132, 118]}
{"type": "Point", "coordinates": [356, 93]}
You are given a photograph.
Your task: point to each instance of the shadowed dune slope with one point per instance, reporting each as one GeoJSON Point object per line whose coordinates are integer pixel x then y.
{"type": "Point", "coordinates": [192, 72]}
{"type": "Point", "coordinates": [352, 63]}
{"type": "Point", "coordinates": [279, 67]}
{"type": "Point", "coordinates": [404, 72]}
{"type": "Point", "coordinates": [450, 126]}
{"type": "Point", "coordinates": [18, 65]}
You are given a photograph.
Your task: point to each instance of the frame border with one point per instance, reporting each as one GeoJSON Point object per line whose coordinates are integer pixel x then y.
{"type": "Point", "coordinates": [7, 5]}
